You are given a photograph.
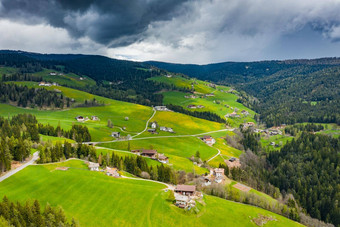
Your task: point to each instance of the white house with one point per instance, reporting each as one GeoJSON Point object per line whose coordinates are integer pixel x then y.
{"type": "Point", "coordinates": [154, 124]}
{"type": "Point", "coordinates": [93, 166]}
{"type": "Point", "coordinates": [161, 108]}
{"type": "Point", "coordinates": [115, 134]}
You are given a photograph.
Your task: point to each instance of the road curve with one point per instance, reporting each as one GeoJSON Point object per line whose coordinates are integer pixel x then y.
{"type": "Point", "coordinates": [14, 171]}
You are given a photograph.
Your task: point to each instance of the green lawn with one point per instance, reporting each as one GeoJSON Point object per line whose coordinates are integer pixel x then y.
{"type": "Point", "coordinates": [95, 199]}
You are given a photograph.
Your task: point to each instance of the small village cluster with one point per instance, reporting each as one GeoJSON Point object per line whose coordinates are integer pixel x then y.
{"type": "Point", "coordinates": [113, 172]}
{"type": "Point", "coordinates": [195, 107]}
{"type": "Point", "coordinates": [153, 154]}
{"type": "Point", "coordinates": [209, 140]}
{"type": "Point", "coordinates": [236, 115]}
{"type": "Point", "coordinates": [83, 119]}
{"type": "Point", "coordinates": [46, 84]}
{"type": "Point", "coordinates": [154, 126]}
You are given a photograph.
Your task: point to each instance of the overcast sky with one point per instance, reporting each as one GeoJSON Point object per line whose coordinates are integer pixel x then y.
{"type": "Point", "coordinates": [183, 31]}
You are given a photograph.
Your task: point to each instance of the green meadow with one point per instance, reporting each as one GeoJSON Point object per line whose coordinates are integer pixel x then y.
{"type": "Point", "coordinates": [94, 199]}
{"type": "Point", "coordinates": [69, 79]}
{"type": "Point", "coordinates": [179, 150]}
{"type": "Point", "coordinates": [221, 103]}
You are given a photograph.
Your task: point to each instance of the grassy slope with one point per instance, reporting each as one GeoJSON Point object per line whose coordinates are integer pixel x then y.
{"type": "Point", "coordinates": [177, 98]}
{"type": "Point", "coordinates": [98, 200]}
{"type": "Point", "coordinates": [69, 79]}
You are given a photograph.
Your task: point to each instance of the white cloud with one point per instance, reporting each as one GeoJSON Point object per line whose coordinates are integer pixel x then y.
{"type": "Point", "coordinates": [44, 38]}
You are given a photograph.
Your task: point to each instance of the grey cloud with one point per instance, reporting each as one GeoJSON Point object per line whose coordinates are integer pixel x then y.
{"type": "Point", "coordinates": [113, 23]}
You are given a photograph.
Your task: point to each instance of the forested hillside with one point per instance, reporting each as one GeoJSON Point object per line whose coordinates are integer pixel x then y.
{"type": "Point", "coordinates": [287, 91]}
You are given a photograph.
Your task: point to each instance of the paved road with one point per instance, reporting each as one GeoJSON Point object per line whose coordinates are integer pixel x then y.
{"type": "Point", "coordinates": [171, 187]}
{"type": "Point", "coordinates": [14, 171]}
{"type": "Point", "coordinates": [219, 152]}
{"type": "Point", "coordinates": [159, 137]}
{"type": "Point", "coordinates": [147, 124]}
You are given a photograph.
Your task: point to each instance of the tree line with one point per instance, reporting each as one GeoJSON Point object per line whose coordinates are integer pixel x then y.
{"type": "Point", "coordinates": [30, 97]}
{"type": "Point", "coordinates": [31, 214]}
{"type": "Point", "coordinates": [78, 133]}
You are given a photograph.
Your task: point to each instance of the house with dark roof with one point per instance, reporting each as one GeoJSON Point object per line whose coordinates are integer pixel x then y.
{"type": "Point", "coordinates": [188, 190]}
{"type": "Point", "coordinates": [149, 153]}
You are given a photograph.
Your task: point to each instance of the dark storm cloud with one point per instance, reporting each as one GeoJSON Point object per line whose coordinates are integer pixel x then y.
{"type": "Point", "coordinates": [112, 23]}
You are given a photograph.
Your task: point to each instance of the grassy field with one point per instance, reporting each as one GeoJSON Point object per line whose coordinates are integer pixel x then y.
{"type": "Point", "coordinates": [221, 103]}
{"type": "Point", "coordinates": [95, 199]}
{"type": "Point", "coordinates": [69, 79]}
{"type": "Point", "coordinates": [7, 70]}
{"type": "Point", "coordinates": [179, 150]}
{"type": "Point", "coordinates": [54, 140]}
{"type": "Point", "coordinates": [277, 139]}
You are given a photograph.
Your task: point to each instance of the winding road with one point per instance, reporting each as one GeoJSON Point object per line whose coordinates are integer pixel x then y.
{"type": "Point", "coordinates": [147, 124]}
{"type": "Point", "coordinates": [14, 171]}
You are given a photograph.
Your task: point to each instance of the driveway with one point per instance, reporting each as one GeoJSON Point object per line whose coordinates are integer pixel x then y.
{"type": "Point", "coordinates": [14, 171]}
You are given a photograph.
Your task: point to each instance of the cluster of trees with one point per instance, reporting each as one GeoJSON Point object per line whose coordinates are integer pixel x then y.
{"type": "Point", "coordinates": [138, 166]}
{"type": "Point", "coordinates": [49, 153]}
{"type": "Point", "coordinates": [90, 103]}
{"type": "Point", "coordinates": [15, 139]}
{"type": "Point", "coordinates": [31, 214]}
{"type": "Point", "coordinates": [79, 133]}
{"type": "Point", "coordinates": [204, 114]}
{"type": "Point", "coordinates": [21, 77]}
{"type": "Point", "coordinates": [309, 168]}
{"type": "Point", "coordinates": [295, 129]}
{"type": "Point", "coordinates": [30, 97]}
{"type": "Point", "coordinates": [251, 141]}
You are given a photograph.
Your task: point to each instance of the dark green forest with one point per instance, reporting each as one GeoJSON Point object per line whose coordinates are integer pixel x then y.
{"type": "Point", "coordinates": [32, 214]}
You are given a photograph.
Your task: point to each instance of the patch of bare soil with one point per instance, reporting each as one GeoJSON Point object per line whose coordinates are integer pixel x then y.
{"type": "Point", "coordinates": [262, 220]}
{"type": "Point", "coordinates": [233, 164]}
{"type": "Point", "coordinates": [242, 187]}
{"type": "Point", "coordinates": [62, 168]}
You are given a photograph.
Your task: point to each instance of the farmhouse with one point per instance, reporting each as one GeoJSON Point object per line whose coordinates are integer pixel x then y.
{"type": "Point", "coordinates": [162, 158]}
{"type": "Point", "coordinates": [208, 140]}
{"type": "Point", "coordinates": [42, 83]}
{"type": "Point", "coordinates": [245, 113]}
{"type": "Point", "coordinates": [93, 166]}
{"type": "Point", "coordinates": [161, 108]}
{"type": "Point", "coordinates": [207, 181]}
{"type": "Point", "coordinates": [217, 172]}
{"type": "Point", "coordinates": [190, 96]}
{"type": "Point", "coordinates": [115, 134]}
{"type": "Point", "coordinates": [81, 78]}
{"type": "Point", "coordinates": [192, 106]}
{"type": "Point", "coordinates": [55, 84]}
{"type": "Point", "coordinates": [188, 190]}
{"type": "Point", "coordinates": [52, 73]}
{"type": "Point", "coordinates": [113, 172]}
{"type": "Point", "coordinates": [181, 200]}
{"type": "Point", "coordinates": [154, 124]}
{"type": "Point", "coordinates": [166, 129]}
{"type": "Point", "coordinates": [80, 118]}
{"type": "Point", "coordinates": [168, 75]}
{"type": "Point", "coordinates": [234, 114]}
{"type": "Point", "coordinates": [149, 153]}
{"type": "Point", "coordinates": [152, 130]}
{"type": "Point", "coordinates": [248, 124]}
{"type": "Point", "coordinates": [94, 118]}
